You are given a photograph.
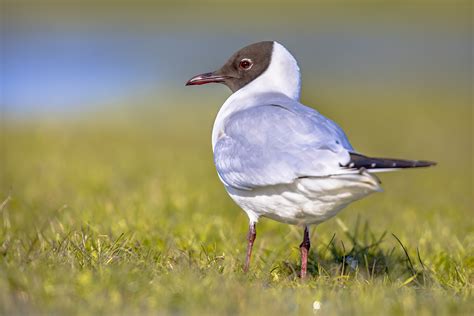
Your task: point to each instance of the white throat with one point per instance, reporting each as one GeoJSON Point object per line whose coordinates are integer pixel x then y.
{"type": "Point", "coordinates": [281, 76]}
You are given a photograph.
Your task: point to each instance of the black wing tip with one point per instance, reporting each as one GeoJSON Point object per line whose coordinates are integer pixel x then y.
{"type": "Point", "coordinates": [413, 163]}
{"type": "Point", "coordinates": [425, 163]}
{"type": "Point", "coordinates": [359, 161]}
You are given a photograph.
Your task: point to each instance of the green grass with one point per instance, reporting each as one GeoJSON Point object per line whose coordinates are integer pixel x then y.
{"type": "Point", "coordinates": [123, 213]}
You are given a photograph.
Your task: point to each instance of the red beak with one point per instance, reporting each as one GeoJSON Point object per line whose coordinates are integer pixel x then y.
{"type": "Point", "coordinates": [209, 77]}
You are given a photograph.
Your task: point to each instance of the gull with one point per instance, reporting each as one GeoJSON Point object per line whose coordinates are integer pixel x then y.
{"type": "Point", "coordinates": [278, 158]}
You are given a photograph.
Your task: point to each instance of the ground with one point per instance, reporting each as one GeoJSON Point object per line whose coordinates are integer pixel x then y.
{"type": "Point", "coordinates": [122, 212]}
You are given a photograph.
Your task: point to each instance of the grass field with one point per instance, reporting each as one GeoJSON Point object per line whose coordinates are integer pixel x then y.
{"type": "Point", "coordinates": [122, 212]}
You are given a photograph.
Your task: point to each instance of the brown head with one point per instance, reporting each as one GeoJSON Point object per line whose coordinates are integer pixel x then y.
{"type": "Point", "coordinates": [242, 67]}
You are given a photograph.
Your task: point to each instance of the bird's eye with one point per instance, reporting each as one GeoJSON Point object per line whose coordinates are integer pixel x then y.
{"type": "Point", "coordinates": [246, 64]}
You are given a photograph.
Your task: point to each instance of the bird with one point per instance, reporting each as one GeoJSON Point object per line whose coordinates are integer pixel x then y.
{"type": "Point", "coordinates": [280, 159]}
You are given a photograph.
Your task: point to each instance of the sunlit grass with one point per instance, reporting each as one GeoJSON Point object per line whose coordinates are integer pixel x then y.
{"type": "Point", "coordinates": [125, 214]}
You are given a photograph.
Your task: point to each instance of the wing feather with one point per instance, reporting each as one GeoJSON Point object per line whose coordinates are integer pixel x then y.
{"type": "Point", "coordinates": [277, 143]}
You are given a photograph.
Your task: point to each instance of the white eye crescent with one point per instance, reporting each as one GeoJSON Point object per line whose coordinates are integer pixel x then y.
{"type": "Point", "coordinates": [246, 64]}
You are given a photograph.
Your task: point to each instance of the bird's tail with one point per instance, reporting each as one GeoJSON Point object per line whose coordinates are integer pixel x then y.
{"type": "Point", "coordinates": [373, 164]}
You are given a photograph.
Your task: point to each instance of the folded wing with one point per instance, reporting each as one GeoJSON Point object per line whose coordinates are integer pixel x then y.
{"type": "Point", "coordinates": [277, 143]}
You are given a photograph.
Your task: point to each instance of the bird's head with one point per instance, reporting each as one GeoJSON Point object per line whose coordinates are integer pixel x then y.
{"type": "Point", "coordinates": [267, 65]}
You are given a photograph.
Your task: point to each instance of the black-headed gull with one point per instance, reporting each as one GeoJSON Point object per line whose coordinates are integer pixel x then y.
{"type": "Point", "coordinates": [279, 158]}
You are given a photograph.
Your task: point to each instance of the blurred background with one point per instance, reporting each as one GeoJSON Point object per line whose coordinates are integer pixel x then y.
{"type": "Point", "coordinates": [74, 56]}
{"type": "Point", "coordinates": [100, 137]}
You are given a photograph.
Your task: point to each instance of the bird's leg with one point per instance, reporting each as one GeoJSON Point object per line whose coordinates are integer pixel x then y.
{"type": "Point", "coordinates": [250, 238]}
{"type": "Point", "coordinates": [304, 249]}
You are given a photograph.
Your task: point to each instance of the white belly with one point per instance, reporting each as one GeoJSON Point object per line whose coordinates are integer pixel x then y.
{"type": "Point", "coordinates": [307, 200]}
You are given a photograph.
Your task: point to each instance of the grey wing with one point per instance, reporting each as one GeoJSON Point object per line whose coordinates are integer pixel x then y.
{"type": "Point", "coordinates": [276, 144]}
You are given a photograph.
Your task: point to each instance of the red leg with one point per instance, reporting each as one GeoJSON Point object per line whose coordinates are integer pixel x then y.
{"type": "Point", "coordinates": [250, 238]}
{"type": "Point", "coordinates": [304, 249]}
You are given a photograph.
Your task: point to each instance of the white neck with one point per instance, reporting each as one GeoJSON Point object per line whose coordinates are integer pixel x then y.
{"type": "Point", "coordinates": [282, 76]}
